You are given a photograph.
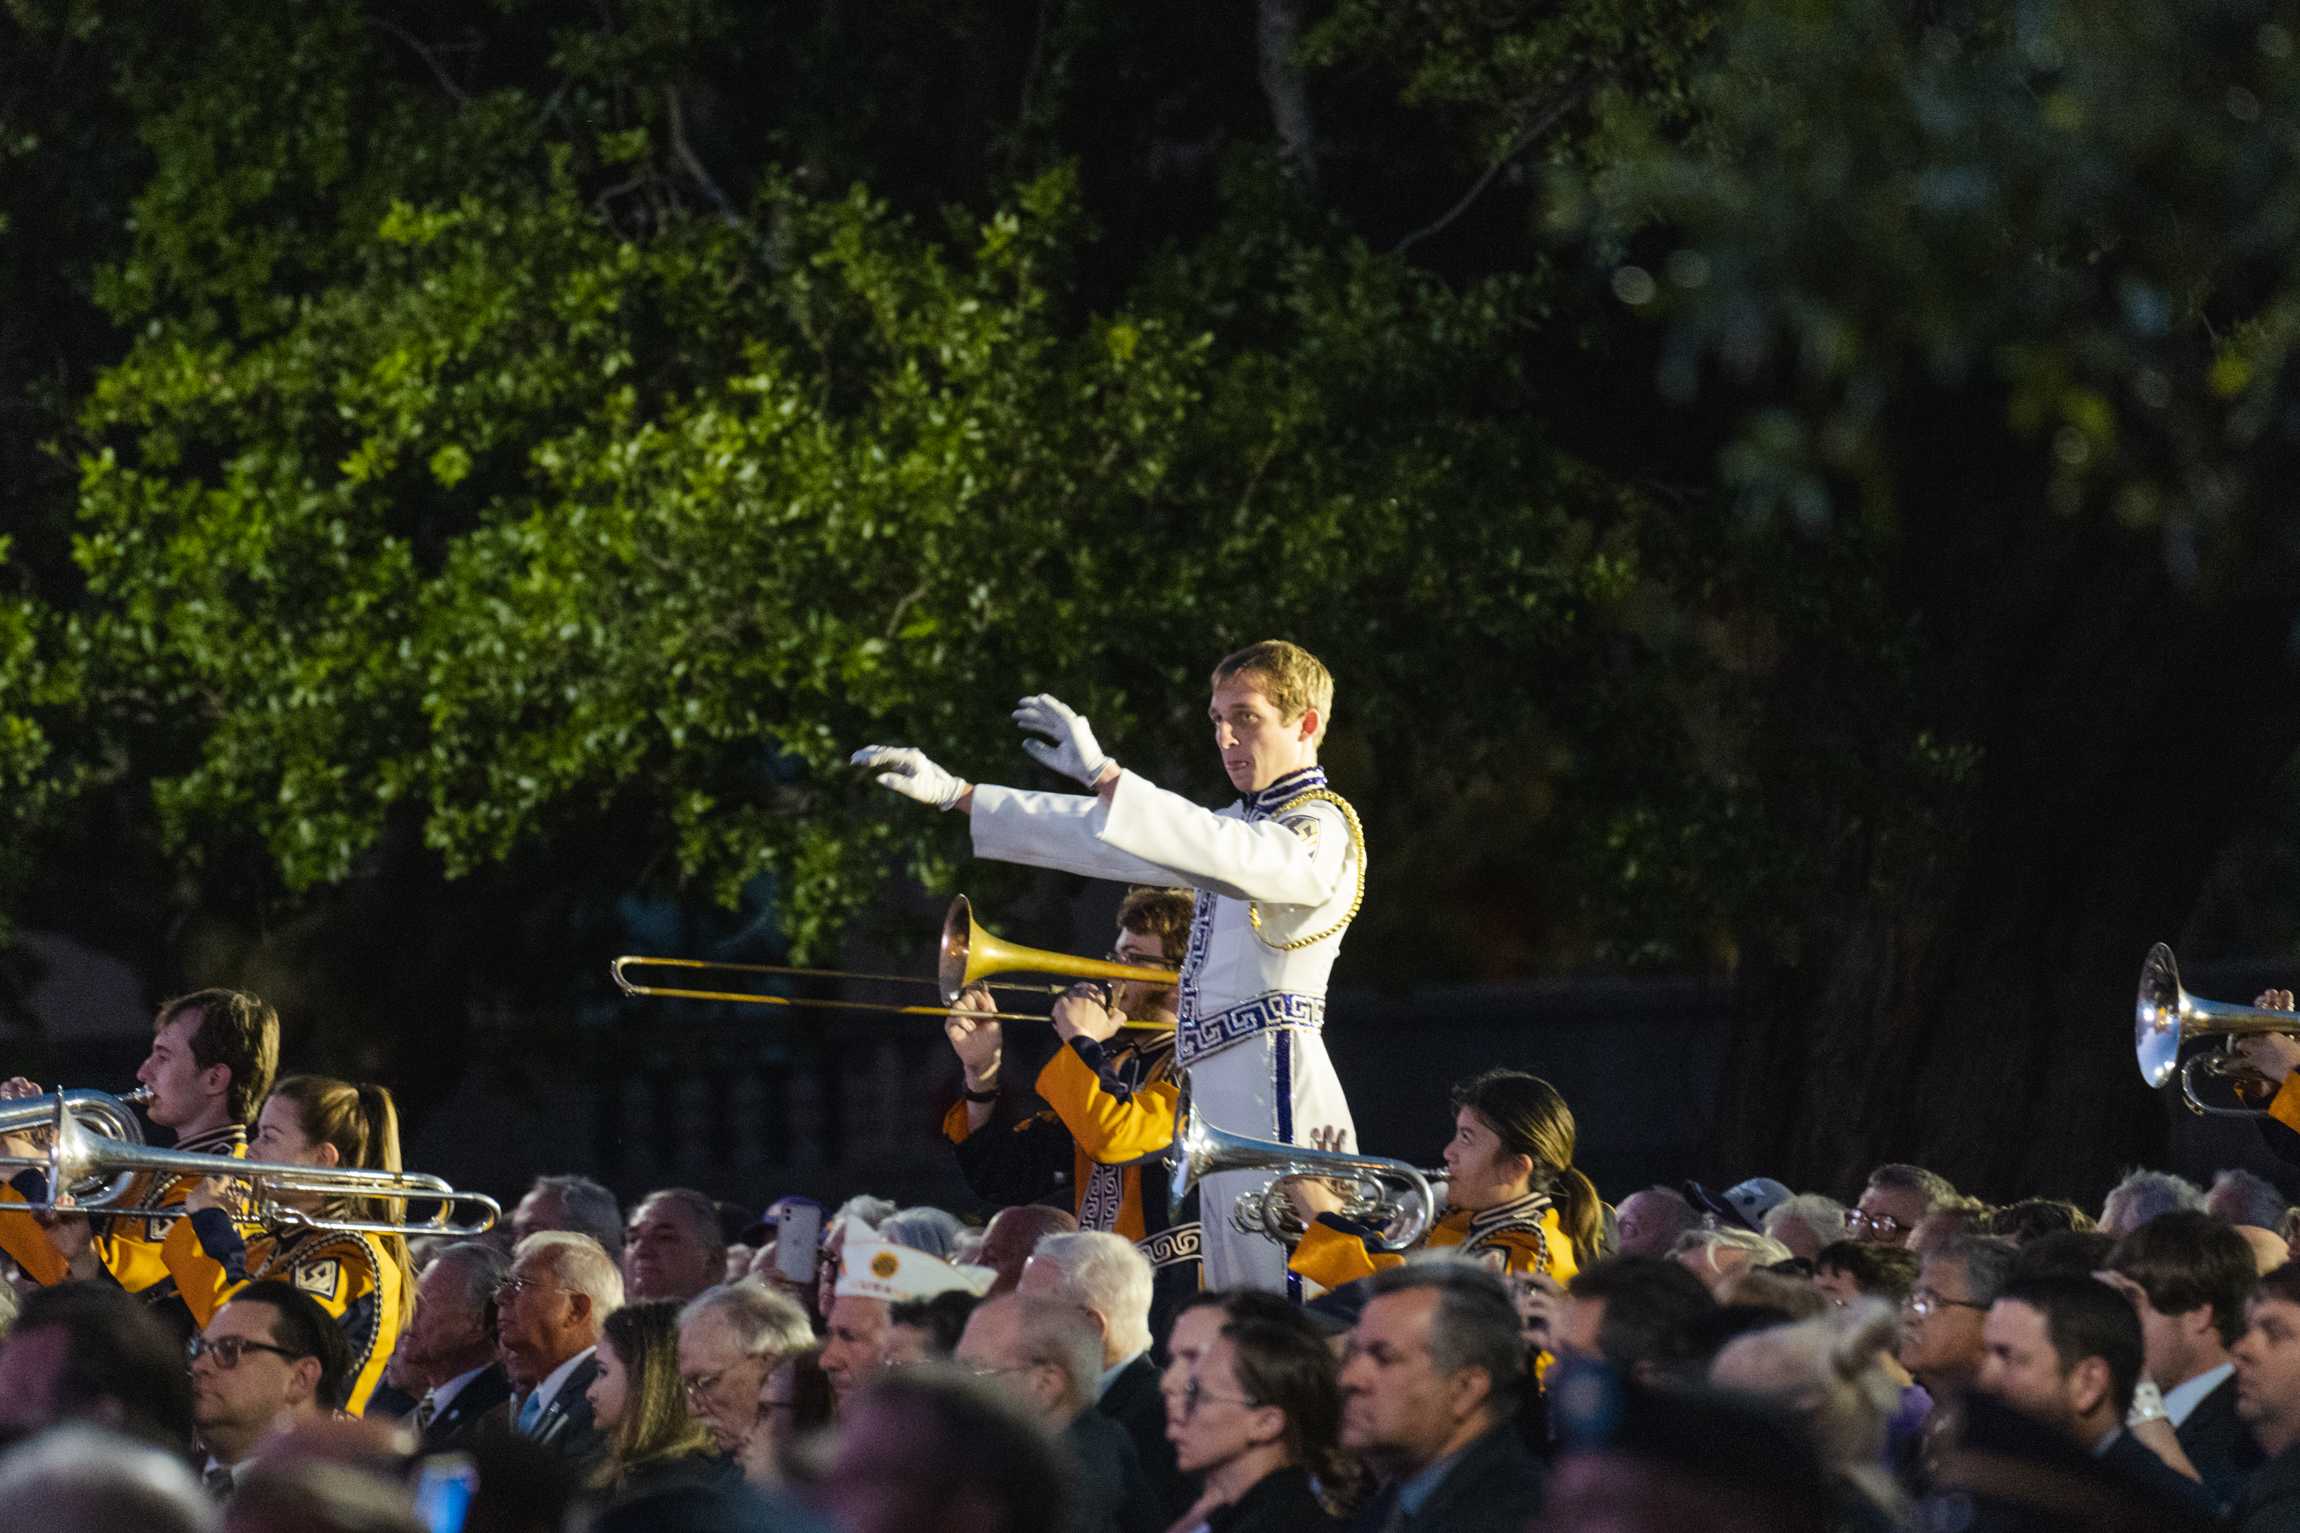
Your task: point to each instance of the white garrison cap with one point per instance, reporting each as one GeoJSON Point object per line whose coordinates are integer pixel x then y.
{"type": "Point", "coordinates": [876, 1270]}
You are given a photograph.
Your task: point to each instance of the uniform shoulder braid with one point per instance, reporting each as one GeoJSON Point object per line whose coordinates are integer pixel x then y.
{"type": "Point", "coordinates": [1294, 815]}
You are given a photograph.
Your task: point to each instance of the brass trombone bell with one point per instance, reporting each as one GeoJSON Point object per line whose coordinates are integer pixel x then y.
{"type": "Point", "coordinates": [968, 954]}
{"type": "Point", "coordinates": [2165, 1017]}
{"type": "Point", "coordinates": [76, 1155]}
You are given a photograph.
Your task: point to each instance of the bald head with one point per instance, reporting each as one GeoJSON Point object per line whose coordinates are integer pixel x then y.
{"type": "Point", "coordinates": [1650, 1222]}
{"type": "Point", "coordinates": [1013, 1234]}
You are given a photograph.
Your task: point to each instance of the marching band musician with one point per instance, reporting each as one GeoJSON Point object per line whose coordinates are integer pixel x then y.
{"type": "Point", "coordinates": [365, 1280]}
{"type": "Point", "coordinates": [1279, 874]}
{"type": "Point", "coordinates": [1109, 1092]}
{"type": "Point", "coordinates": [212, 1059]}
{"type": "Point", "coordinates": [1513, 1196]}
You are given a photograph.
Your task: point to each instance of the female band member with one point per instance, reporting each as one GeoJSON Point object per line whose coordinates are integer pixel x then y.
{"type": "Point", "coordinates": [362, 1279]}
{"type": "Point", "coordinates": [1513, 1195]}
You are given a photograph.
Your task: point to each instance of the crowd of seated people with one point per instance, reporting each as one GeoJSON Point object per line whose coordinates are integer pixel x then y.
{"type": "Point", "coordinates": [1910, 1358]}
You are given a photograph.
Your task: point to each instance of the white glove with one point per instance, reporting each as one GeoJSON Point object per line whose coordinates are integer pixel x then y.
{"type": "Point", "coordinates": [1074, 752]}
{"type": "Point", "coordinates": [912, 775]}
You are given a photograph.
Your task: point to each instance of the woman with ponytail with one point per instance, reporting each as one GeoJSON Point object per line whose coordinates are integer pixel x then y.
{"type": "Point", "coordinates": [1513, 1194]}
{"type": "Point", "coordinates": [364, 1280]}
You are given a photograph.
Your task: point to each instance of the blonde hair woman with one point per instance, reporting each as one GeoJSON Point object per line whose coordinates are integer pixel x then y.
{"type": "Point", "coordinates": [1828, 1374]}
{"type": "Point", "coordinates": [364, 1280]}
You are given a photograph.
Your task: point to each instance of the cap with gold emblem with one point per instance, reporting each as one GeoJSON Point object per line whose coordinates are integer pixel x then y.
{"type": "Point", "coordinates": [875, 1270]}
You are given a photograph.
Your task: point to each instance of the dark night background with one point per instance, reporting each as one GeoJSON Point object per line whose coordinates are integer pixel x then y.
{"type": "Point", "coordinates": [1798, 506]}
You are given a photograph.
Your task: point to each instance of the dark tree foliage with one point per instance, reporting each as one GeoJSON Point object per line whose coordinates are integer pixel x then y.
{"type": "Point", "coordinates": [1793, 496]}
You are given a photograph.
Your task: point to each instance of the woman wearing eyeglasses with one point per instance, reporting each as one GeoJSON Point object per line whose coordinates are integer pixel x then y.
{"type": "Point", "coordinates": [1258, 1421]}
{"type": "Point", "coordinates": [639, 1403]}
{"type": "Point", "coordinates": [364, 1280]}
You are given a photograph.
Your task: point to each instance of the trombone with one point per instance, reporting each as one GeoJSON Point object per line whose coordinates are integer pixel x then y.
{"type": "Point", "coordinates": [1402, 1196]}
{"type": "Point", "coordinates": [77, 1154]}
{"type": "Point", "coordinates": [2165, 1016]}
{"type": "Point", "coordinates": [968, 953]}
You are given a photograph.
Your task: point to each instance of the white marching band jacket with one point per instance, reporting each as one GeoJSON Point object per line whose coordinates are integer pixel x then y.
{"type": "Point", "coordinates": [1279, 874]}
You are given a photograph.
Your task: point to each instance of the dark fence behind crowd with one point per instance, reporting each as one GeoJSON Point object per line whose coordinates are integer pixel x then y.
{"type": "Point", "coordinates": [748, 1104]}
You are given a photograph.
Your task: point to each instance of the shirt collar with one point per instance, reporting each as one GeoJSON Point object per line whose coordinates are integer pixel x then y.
{"type": "Point", "coordinates": [1110, 1374]}
{"type": "Point", "coordinates": [1525, 1210]}
{"type": "Point", "coordinates": [1417, 1487]}
{"type": "Point", "coordinates": [557, 1377]}
{"type": "Point", "coordinates": [455, 1386]}
{"type": "Point", "coordinates": [221, 1140]}
{"type": "Point", "coordinates": [1266, 801]}
{"type": "Point", "coordinates": [2178, 1402]}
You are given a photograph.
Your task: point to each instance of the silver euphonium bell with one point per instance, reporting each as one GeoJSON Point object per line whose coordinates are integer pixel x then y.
{"type": "Point", "coordinates": [1399, 1196]}
{"type": "Point", "coordinates": [98, 1112]}
{"type": "Point", "coordinates": [2165, 1016]}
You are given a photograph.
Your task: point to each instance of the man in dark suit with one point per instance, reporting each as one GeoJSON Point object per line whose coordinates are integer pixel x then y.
{"type": "Point", "coordinates": [562, 1288]}
{"type": "Point", "coordinates": [2066, 1351]}
{"type": "Point", "coordinates": [1045, 1356]}
{"type": "Point", "coordinates": [1430, 1393]}
{"type": "Point", "coordinates": [2189, 1277]}
{"type": "Point", "coordinates": [2267, 1358]}
{"type": "Point", "coordinates": [1110, 1281]}
{"type": "Point", "coordinates": [449, 1349]}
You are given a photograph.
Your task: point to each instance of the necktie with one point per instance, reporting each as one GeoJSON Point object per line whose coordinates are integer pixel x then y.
{"type": "Point", "coordinates": [217, 1478]}
{"type": "Point", "coordinates": [426, 1411]}
{"type": "Point", "coordinates": [530, 1412]}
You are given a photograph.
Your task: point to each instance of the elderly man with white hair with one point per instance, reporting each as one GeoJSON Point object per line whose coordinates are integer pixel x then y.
{"type": "Point", "coordinates": [2141, 1196]}
{"type": "Point", "coordinates": [730, 1338]}
{"type": "Point", "coordinates": [1716, 1257]}
{"type": "Point", "coordinates": [1104, 1275]}
{"type": "Point", "coordinates": [562, 1288]}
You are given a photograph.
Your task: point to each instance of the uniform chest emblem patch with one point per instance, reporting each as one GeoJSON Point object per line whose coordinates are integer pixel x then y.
{"type": "Point", "coordinates": [320, 1279]}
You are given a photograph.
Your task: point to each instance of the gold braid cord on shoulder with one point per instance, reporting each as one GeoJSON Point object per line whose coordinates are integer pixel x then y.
{"type": "Point", "coordinates": [1357, 899]}
{"type": "Point", "coordinates": [1486, 1242]}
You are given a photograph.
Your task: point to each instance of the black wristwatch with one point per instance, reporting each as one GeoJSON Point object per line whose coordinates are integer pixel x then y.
{"type": "Point", "coordinates": [978, 1096]}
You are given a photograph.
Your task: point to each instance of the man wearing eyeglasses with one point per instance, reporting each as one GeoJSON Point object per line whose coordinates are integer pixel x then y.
{"type": "Point", "coordinates": [730, 1338]}
{"type": "Point", "coordinates": [269, 1361]}
{"type": "Point", "coordinates": [1046, 1356]}
{"type": "Point", "coordinates": [1893, 1203]}
{"type": "Point", "coordinates": [1941, 1341]}
{"type": "Point", "coordinates": [562, 1288]}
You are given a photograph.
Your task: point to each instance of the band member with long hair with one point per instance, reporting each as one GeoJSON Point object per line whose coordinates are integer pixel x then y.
{"type": "Point", "coordinates": [363, 1279]}
{"type": "Point", "coordinates": [212, 1059]}
{"type": "Point", "coordinates": [1513, 1195]}
{"type": "Point", "coordinates": [1279, 877]}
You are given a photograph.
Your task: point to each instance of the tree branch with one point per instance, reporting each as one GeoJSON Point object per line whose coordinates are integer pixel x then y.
{"type": "Point", "coordinates": [692, 161]}
{"type": "Point", "coordinates": [1278, 32]}
{"type": "Point", "coordinates": [423, 52]}
{"type": "Point", "coordinates": [1522, 141]}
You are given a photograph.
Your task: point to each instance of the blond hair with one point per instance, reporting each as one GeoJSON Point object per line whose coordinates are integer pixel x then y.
{"type": "Point", "coordinates": [1293, 679]}
{"type": "Point", "coordinates": [1828, 1373]}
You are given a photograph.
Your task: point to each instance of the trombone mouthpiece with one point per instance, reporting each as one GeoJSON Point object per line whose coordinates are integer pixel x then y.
{"type": "Point", "coordinates": [137, 1097]}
